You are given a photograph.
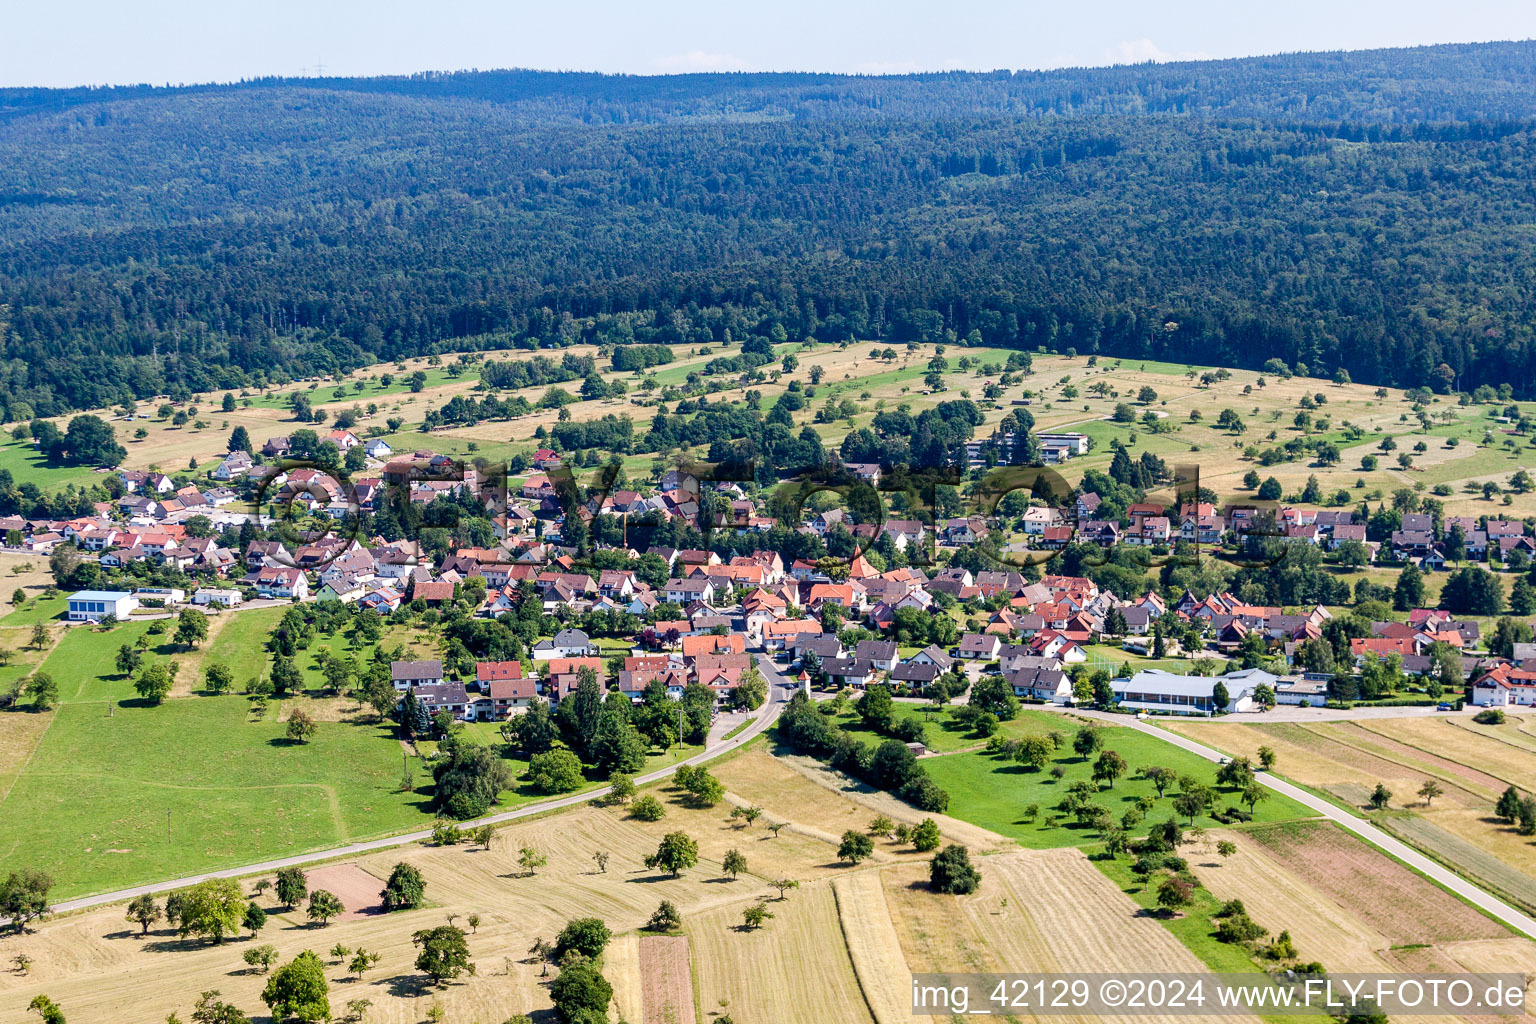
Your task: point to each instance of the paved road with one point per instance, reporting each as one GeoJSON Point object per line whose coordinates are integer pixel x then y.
{"type": "Point", "coordinates": [1515, 919]}
{"type": "Point", "coordinates": [780, 689]}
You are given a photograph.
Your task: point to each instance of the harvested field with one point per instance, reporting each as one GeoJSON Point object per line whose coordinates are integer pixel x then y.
{"type": "Point", "coordinates": [1500, 753]}
{"type": "Point", "coordinates": [1061, 914]}
{"type": "Point", "coordinates": [356, 888]}
{"type": "Point", "coordinates": [793, 970]}
{"type": "Point", "coordinates": [1278, 898]}
{"type": "Point", "coordinates": [621, 966]}
{"type": "Point", "coordinates": [24, 571]}
{"type": "Point", "coordinates": [1406, 746]}
{"type": "Point", "coordinates": [1402, 906]}
{"type": "Point", "coordinates": [1515, 955]}
{"type": "Point", "coordinates": [1509, 877]}
{"type": "Point", "coordinates": [874, 947]}
{"type": "Point", "coordinates": [1296, 750]}
{"type": "Point", "coordinates": [667, 983]}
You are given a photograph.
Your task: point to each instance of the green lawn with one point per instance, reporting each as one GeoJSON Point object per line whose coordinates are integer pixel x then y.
{"type": "Point", "coordinates": [192, 785]}
{"type": "Point", "coordinates": [241, 643]}
{"type": "Point", "coordinates": [83, 662]}
{"type": "Point", "coordinates": [993, 792]}
{"type": "Point", "coordinates": [28, 466]}
{"type": "Point", "coordinates": [37, 610]}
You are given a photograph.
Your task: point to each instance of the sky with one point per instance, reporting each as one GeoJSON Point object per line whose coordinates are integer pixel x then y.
{"type": "Point", "coordinates": [92, 42]}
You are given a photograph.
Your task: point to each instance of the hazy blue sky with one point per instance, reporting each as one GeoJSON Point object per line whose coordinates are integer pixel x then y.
{"type": "Point", "coordinates": [71, 42]}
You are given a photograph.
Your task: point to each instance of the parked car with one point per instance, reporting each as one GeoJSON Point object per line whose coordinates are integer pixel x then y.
{"type": "Point", "coordinates": [1445, 707]}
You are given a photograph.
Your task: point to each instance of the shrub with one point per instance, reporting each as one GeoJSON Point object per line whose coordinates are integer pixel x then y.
{"type": "Point", "coordinates": [648, 808]}
{"type": "Point", "coordinates": [404, 889]}
{"type": "Point", "coordinates": [951, 871]}
{"type": "Point", "coordinates": [587, 935]}
{"type": "Point", "coordinates": [1489, 716]}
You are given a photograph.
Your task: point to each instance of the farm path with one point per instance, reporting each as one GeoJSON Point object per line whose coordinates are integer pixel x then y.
{"type": "Point", "coordinates": [780, 689]}
{"type": "Point", "coordinates": [1478, 897]}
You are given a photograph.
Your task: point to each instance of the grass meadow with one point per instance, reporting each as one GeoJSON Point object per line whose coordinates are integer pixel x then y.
{"type": "Point", "coordinates": [993, 792]}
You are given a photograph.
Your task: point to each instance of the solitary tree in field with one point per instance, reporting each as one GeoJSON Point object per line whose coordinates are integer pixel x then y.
{"type": "Point", "coordinates": [1380, 797]}
{"type": "Point", "coordinates": [128, 659]}
{"type": "Point", "coordinates": [154, 683]}
{"type": "Point", "coordinates": [601, 857]}
{"type": "Point", "coordinates": [1253, 794]}
{"type": "Point", "coordinates": [218, 678]}
{"type": "Point", "coordinates": [39, 636]}
{"type": "Point", "coordinates": [530, 860]}
{"type": "Point", "coordinates": [324, 905]}
{"type": "Point", "coordinates": [301, 727]}
{"type": "Point", "coordinates": [1267, 758]}
{"type": "Point", "coordinates": [1226, 848]}
{"type": "Point", "coordinates": [783, 885]}
{"type": "Point", "coordinates": [1429, 791]}
{"type": "Point", "coordinates": [677, 851]}
{"type": "Point", "coordinates": [734, 863]}
{"type": "Point", "coordinates": [1508, 807]}
{"type": "Point", "coordinates": [191, 628]}
{"type": "Point", "coordinates": [1109, 767]}
{"type": "Point", "coordinates": [951, 871]}
{"type": "Point", "coordinates": [444, 953]}
{"type": "Point", "coordinates": [299, 989]}
{"type": "Point", "coordinates": [47, 1009]}
{"type": "Point", "coordinates": [755, 915]}
{"type": "Point", "coordinates": [483, 835]}
{"type": "Point", "coordinates": [1160, 777]}
{"type": "Point", "coordinates": [255, 919]}
{"type": "Point", "coordinates": [144, 911]}
{"type": "Point", "coordinates": [291, 886]}
{"type": "Point", "coordinates": [405, 888]}
{"type": "Point", "coordinates": [665, 919]}
{"type": "Point", "coordinates": [260, 957]}
{"type": "Point", "coordinates": [774, 826]}
{"type": "Point", "coordinates": [43, 690]}
{"type": "Point", "coordinates": [1174, 894]}
{"type": "Point", "coordinates": [855, 847]}
{"type": "Point", "coordinates": [1087, 741]}
{"type": "Point", "coordinates": [362, 962]}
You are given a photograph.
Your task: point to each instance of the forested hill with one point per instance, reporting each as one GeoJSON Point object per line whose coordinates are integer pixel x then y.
{"type": "Point", "coordinates": [1373, 211]}
{"type": "Point", "coordinates": [1454, 82]}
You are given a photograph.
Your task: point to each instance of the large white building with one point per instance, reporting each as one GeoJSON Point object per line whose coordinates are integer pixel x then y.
{"type": "Point", "coordinates": [1154, 690]}
{"type": "Point", "coordinates": [95, 605]}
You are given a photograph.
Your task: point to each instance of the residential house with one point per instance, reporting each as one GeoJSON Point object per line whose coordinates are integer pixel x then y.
{"type": "Point", "coordinates": [568, 643]}
{"type": "Point", "coordinates": [282, 583]}
{"type": "Point", "coordinates": [882, 654]}
{"type": "Point", "coordinates": [408, 674]}
{"type": "Point", "coordinates": [978, 646]}
{"type": "Point", "coordinates": [449, 697]}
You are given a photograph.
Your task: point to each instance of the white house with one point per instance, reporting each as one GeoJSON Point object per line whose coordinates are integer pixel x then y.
{"type": "Point", "coordinates": [211, 595]}
{"type": "Point", "coordinates": [377, 448]}
{"type": "Point", "coordinates": [568, 643]}
{"type": "Point", "coordinates": [95, 605]}
{"type": "Point", "coordinates": [282, 583]}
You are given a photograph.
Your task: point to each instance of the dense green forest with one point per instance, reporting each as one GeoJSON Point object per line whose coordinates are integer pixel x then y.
{"type": "Point", "coordinates": [1371, 211]}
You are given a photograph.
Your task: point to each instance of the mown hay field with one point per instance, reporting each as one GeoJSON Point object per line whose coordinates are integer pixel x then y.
{"type": "Point", "coordinates": [1400, 904]}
